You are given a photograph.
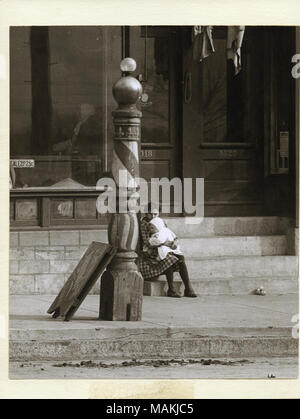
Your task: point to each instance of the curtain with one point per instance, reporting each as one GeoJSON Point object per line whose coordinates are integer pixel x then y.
{"type": "Point", "coordinates": [203, 44]}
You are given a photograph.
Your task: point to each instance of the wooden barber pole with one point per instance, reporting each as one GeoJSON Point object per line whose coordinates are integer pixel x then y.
{"type": "Point", "coordinates": [121, 294]}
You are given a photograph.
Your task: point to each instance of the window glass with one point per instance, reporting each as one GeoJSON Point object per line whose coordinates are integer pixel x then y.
{"type": "Point", "coordinates": [59, 104]}
{"type": "Point", "coordinates": [151, 51]}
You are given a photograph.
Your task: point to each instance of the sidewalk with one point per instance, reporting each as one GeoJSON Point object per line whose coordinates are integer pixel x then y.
{"type": "Point", "coordinates": [209, 326]}
{"type": "Point", "coordinates": [29, 312]}
{"type": "Point", "coordinates": [205, 337]}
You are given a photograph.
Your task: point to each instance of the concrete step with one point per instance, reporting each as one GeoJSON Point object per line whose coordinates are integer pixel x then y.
{"type": "Point", "coordinates": [228, 226]}
{"type": "Point", "coordinates": [243, 266]}
{"type": "Point", "coordinates": [167, 345]}
{"type": "Point", "coordinates": [234, 276]}
{"type": "Point", "coordinates": [225, 286]}
{"type": "Point", "coordinates": [234, 246]}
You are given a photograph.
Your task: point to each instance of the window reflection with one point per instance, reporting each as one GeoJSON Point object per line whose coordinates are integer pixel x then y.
{"type": "Point", "coordinates": [57, 105]}
{"type": "Point", "coordinates": [151, 52]}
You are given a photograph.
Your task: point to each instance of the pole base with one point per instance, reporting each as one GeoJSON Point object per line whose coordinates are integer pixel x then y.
{"type": "Point", "coordinates": [121, 295]}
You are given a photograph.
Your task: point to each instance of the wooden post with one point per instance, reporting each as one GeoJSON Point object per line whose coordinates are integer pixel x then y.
{"type": "Point", "coordinates": [121, 293]}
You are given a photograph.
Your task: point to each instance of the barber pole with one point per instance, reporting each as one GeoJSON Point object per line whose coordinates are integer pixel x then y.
{"type": "Point", "coordinates": [121, 292]}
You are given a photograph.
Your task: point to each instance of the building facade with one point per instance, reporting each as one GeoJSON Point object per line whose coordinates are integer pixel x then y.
{"type": "Point", "coordinates": [200, 120]}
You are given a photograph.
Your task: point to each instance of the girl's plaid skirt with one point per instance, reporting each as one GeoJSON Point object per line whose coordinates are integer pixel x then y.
{"type": "Point", "coordinates": [151, 268]}
{"type": "Point", "coordinates": [147, 262]}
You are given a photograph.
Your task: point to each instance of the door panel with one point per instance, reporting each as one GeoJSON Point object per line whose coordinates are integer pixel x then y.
{"type": "Point", "coordinates": [223, 125]}
{"type": "Point", "coordinates": [156, 50]}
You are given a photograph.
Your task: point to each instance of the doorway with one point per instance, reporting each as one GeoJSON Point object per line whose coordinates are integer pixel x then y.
{"type": "Point", "coordinates": [202, 120]}
{"type": "Point", "coordinates": [223, 124]}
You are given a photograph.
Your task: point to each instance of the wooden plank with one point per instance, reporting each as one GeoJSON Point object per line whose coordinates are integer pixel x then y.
{"type": "Point", "coordinates": [90, 267]}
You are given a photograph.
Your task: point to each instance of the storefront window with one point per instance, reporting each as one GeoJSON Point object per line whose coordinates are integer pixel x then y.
{"type": "Point", "coordinates": [60, 98]}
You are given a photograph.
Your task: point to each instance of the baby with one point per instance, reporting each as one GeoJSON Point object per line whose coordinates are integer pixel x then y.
{"type": "Point", "coordinates": [159, 235]}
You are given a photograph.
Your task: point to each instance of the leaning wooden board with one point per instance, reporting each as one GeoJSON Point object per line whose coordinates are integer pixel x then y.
{"type": "Point", "coordinates": [90, 267]}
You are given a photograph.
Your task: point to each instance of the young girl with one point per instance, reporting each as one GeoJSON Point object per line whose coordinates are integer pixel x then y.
{"type": "Point", "coordinates": [160, 234]}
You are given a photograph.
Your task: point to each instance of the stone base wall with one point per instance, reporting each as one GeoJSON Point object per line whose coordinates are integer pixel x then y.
{"type": "Point", "coordinates": [41, 261]}
{"type": "Point", "coordinates": [293, 241]}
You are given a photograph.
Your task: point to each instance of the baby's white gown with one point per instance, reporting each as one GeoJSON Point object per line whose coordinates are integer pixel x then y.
{"type": "Point", "coordinates": [165, 234]}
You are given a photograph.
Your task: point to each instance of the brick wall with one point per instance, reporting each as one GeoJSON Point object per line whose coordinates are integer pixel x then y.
{"type": "Point", "coordinates": [41, 261]}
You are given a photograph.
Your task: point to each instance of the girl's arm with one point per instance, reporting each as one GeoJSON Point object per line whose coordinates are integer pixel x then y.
{"type": "Point", "coordinates": [154, 241]}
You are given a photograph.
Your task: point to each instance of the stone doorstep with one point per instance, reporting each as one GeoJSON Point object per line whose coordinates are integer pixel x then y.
{"type": "Point", "coordinates": [225, 286]}
{"type": "Point", "coordinates": [207, 227]}
{"type": "Point", "coordinates": [236, 267]}
{"type": "Point", "coordinates": [193, 248]}
{"type": "Point", "coordinates": [52, 283]}
{"type": "Point", "coordinates": [230, 226]}
{"type": "Point", "coordinates": [73, 237]}
{"type": "Point", "coordinates": [216, 272]}
{"type": "Point", "coordinates": [221, 246]}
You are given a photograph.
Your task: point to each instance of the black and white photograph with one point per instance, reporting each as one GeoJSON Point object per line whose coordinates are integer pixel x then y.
{"type": "Point", "coordinates": [153, 187]}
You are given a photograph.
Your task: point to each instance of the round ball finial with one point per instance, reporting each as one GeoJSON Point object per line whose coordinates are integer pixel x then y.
{"type": "Point", "coordinates": [128, 65]}
{"type": "Point", "coordinates": [128, 89]}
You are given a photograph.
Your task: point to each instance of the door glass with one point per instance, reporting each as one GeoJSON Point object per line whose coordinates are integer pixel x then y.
{"type": "Point", "coordinates": [152, 56]}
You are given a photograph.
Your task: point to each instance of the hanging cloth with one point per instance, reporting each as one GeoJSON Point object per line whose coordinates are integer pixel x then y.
{"type": "Point", "coordinates": [235, 35]}
{"type": "Point", "coordinates": [203, 44]}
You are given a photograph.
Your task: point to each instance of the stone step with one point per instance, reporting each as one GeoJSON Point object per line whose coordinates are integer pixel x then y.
{"type": "Point", "coordinates": [234, 246]}
{"type": "Point", "coordinates": [234, 276]}
{"type": "Point", "coordinates": [243, 266]}
{"type": "Point", "coordinates": [225, 286]}
{"type": "Point", "coordinates": [228, 226]}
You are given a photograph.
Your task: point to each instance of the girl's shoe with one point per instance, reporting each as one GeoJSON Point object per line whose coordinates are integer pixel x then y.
{"type": "Point", "coordinates": [190, 293]}
{"type": "Point", "coordinates": [173, 294]}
